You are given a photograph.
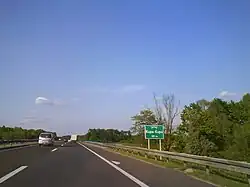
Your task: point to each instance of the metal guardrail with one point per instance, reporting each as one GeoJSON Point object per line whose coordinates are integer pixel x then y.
{"type": "Point", "coordinates": [8, 144]}
{"type": "Point", "coordinates": [208, 162]}
{"type": "Point", "coordinates": [17, 141]}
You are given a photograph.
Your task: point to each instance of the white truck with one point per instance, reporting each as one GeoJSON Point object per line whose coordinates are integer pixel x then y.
{"type": "Point", "coordinates": [73, 138]}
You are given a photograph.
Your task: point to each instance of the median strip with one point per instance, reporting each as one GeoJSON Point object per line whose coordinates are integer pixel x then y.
{"type": "Point", "coordinates": [11, 174]}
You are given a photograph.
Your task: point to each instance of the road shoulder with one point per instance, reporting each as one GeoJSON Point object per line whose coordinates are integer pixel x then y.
{"type": "Point", "coordinates": [150, 173]}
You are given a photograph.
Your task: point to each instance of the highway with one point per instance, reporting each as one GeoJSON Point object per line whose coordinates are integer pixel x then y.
{"type": "Point", "coordinates": [75, 165]}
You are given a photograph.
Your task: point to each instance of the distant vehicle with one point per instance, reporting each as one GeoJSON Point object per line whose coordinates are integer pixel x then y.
{"type": "Point", "coordinates": [46, 138]}
{"type": "Point", "coordinates": [73, 138]}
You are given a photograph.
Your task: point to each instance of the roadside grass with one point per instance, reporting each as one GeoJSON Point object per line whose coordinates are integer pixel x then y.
{"type": "Point", "coordinates": [217, 177]}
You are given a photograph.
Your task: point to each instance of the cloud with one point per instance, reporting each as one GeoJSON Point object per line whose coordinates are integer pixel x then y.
{"type": "Point", "coordinates": [45, 101]}
{"type": "Point", "coordinates": [226, 94]}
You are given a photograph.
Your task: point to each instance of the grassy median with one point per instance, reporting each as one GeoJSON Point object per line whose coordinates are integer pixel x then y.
{"type": "Point", "coordinates": [217, 177]}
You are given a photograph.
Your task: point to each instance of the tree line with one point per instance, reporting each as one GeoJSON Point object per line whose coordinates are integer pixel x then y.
{"type": "Point", "coordinates": [15, 133]}
{"type": "Point", "coordinates": [106, 135]}
{"type": "Point", "coordinates": [216, 128]}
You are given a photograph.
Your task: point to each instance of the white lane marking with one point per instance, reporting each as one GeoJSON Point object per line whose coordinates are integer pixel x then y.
{"type": "Point", "coordinates": [11, 149]}
{"type": "Point", "coordinates": [131, 177]}
{"type": "Point", "coordinates": [115, 162]}
{"type": "Point", "coordinates": [11, 174]}
{"type": "Point", "coordinates": [54, 150]}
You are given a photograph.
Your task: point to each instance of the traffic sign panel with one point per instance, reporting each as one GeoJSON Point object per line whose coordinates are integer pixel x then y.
{"type": "Point", "coordinates": [154, 131]}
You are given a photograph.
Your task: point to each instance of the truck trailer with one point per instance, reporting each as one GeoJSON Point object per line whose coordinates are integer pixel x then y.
{"type": "Point", "coordinates": [73, 137]}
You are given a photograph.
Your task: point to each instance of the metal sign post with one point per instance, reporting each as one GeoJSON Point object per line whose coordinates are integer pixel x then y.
{"type": "Point", "coordinates": [160, 148]}
{"type": "Point", "coordinates": [148, 143]}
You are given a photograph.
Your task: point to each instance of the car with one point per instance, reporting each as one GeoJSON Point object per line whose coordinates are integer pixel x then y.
{"type": "Point", "coordinates": [46, 138]}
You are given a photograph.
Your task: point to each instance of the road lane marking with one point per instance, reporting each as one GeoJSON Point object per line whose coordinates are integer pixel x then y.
{"type": "Point", "coordinates": [11, 174]}
{"type": "Point", "coordinates": [54, 150]}
{"type": "Point", "coordinates": [115, 162]}
{"type": "Point", "coordinates": [131, 177]}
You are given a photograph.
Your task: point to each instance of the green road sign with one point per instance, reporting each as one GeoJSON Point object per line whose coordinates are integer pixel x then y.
{"type": "Point", "coordinates": [154, 131]}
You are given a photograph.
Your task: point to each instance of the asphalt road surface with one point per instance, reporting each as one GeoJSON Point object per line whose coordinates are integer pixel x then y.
{"type": "Point", "coordinates": [75, 165]}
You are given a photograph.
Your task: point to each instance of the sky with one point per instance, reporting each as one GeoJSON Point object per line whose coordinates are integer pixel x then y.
{"type": "Point", "coordinates": [68, 66]}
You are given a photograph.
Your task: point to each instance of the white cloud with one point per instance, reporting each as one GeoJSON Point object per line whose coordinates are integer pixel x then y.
{"type": "Point", "coordinates": [226, 94]}
{"type": "Point", "coordinates": [45, 101]}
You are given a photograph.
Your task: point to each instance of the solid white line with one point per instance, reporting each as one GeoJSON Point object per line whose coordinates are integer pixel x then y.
{"type": "Point", "coordinates": [137, 181]}
{"type": "Point", "coordinates": [54, 150]}
{"type": "Point", "coordinates": [11, 174]}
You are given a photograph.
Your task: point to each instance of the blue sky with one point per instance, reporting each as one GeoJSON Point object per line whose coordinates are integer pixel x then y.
{"type": "Point", "coordinates": [98, 62]}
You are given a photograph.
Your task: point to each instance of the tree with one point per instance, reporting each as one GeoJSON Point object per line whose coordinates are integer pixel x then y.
{"type": "Point", "coordinates": [180, 138]}
{"type": "Point", "coordinates": [106, 135]}
{"type": "Point", "coordinates": [9, 133]}
{"type": "Point", "coordinates": [214, 128]}
{"type": "Point", "coordinates": [217, 128]}
{"type": "Point", "coordinates": [201, 137]}
{"type": "Point", "coordinates": [166, 112]}
{"type": "Point", "coordinates": [145, 117]}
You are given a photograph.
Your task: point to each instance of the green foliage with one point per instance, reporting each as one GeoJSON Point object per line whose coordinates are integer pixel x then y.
{"type": "Point", "coordinates": [145, 117]}
{"type": "Point", "coordinates": [9, 133]}
{"type": "Point", "coordinates": [214, 128]}
{"type": "Point", "coordinates": [106, 135]}
{"type": "Point", "coordinates": [217, 128]}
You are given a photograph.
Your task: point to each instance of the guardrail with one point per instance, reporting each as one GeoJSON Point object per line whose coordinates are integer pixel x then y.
{"type": "Point", "coordinates": [6, 144]}
{"type": "Point", "coordinates": [207, 162]}
{"type": "Point", "coordinates": [17, 141]}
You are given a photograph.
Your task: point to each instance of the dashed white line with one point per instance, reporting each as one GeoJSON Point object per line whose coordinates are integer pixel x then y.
{"type": "Point", "coordinates": [115, 162]}
{"type": "Point", "coordinates": [11, 174]}
{"type": "Point", "coordinates": [53, 150]}
{"type": "Point", "coordinates": [131, 177]}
